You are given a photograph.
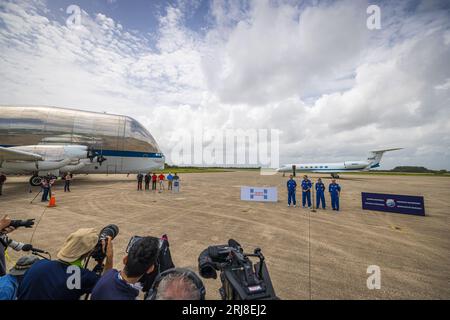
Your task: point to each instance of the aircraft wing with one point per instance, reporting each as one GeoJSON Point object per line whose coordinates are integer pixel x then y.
{"type": "Point", "coordinates": [9, 154]}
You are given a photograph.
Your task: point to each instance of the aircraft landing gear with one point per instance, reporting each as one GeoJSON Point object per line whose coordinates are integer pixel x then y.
{"type": "Point", "coordinates": [35, 181]}
{"type": "Point", "coordinates": [334, 176]}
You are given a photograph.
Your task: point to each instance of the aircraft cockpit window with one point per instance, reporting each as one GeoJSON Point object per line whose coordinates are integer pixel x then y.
{"type": "Point", "coordinates": [140, 135]}
{"type": "Point", "coordinates": [137, 130]}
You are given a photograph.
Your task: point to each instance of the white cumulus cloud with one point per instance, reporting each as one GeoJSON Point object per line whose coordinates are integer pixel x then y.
{"type": "Point", "coordinates": [333, 88]}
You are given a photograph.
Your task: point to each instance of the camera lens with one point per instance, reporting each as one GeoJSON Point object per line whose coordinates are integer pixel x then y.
{"type": "Point", "coordinates": [207, 271]}
{"type": "Point", "coordinates": [110, 230]}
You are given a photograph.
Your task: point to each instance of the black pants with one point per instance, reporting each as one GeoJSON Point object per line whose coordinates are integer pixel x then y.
{"type": "Point", "coordinates": [45, 193]}
{"type": "Point", "coordinates": [67, 186]}
{"type": "Point", "coordinates": [153, 185]}
{"type": "Point", "coordinates": [1, 188]}
{"type": "Point", "coordinates": [139, 185]}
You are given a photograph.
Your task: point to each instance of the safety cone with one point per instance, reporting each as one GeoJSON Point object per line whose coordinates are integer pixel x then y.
{"type": "Point", "coordinates": [52, 202]}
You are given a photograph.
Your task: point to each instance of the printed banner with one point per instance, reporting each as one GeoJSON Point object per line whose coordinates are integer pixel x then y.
{"type": "Point", "coordinates": [393, 203]}
{"type": "Point", "coordinates": [269, 194]}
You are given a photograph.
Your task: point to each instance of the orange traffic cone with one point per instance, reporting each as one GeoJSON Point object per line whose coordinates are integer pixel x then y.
{"type": "Point", "coordinates": [52, 202]}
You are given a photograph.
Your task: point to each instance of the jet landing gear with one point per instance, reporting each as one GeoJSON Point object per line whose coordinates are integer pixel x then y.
{"type": "Point", "coordinates": [35, 181]}
{"type": "Point", "coordinates": [334, 176]}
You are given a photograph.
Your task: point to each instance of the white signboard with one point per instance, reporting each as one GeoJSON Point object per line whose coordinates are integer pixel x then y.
{"type": "Point", "coordinates": [269, 194]}
{"type": "Point", "coordinates": [176, 186]}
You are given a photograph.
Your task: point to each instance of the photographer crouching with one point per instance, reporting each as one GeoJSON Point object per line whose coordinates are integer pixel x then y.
{"type": "Point", "coordinates": [146, 258]}
{"type": "Point", "coordinates": [68, 278]}
{"type": "Point", "coordinates": [124, 284]}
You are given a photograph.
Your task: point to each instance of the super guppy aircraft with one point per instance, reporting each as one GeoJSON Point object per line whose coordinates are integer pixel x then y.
{"type": "Point", "coordinates": [373, 161]}
{"type": "Point", "coordinates": [40, 140]}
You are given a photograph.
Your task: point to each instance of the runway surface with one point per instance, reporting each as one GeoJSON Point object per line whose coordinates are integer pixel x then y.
{"type": "Point", "coordinates": [321, 255]}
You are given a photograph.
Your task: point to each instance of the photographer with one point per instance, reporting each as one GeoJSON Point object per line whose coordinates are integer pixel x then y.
{"type": "Point", "coordinates": [53, 280]}
{"type": "Point", "coordinates": [124, 284]}
{"type": "Point", "coordinates": [45, 186]}
{"type": "Point", "coordinates": [9, 283]}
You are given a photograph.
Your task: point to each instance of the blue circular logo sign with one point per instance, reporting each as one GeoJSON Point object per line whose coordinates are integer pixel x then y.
{"type": "Point", "coordinates": [390, 203]}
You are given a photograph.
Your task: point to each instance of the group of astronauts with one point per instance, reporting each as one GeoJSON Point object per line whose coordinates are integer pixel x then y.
{"type": "Point", "coordinates": [334, 189]}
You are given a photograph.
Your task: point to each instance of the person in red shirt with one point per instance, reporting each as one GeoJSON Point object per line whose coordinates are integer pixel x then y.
{"type": "Point", "coordinates": [161, 181]}
{"type": "Point", "coordinates": [154, 178]}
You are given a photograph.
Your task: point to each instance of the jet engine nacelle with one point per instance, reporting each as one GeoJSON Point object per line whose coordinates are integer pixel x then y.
{"type": "Point", "coordinates": [54, 157]}
{"type": "Point", "coordinates": [36, 166]}
{"type": "Point", "coordinates": [355, 164]}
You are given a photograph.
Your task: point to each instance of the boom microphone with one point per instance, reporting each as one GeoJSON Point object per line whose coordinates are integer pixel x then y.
{"type": "Point", "coordinates": [20, 246]}
{"type": "Point", "coordinates": [29, 247]}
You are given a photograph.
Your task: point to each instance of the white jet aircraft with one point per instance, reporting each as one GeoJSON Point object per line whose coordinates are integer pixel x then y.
{"type": "Point", "coordinates": [373, 161]}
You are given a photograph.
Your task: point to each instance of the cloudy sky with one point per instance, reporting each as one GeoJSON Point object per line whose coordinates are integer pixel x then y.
{"type": "Point", "coordinates": [311, 69]}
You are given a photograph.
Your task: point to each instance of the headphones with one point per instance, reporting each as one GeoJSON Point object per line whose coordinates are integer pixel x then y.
{"type": "Point", "coordinates": [151, 295]}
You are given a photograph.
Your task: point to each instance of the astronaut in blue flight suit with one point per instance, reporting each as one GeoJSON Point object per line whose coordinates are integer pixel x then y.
{"type": "Point", "coordinates": [335, 193]}
{"type": "Point", "coordinates": [320, 193]}
{"type": "Point", "coordinates": [291, 186]}
{"type": "Point", "coordinates": [306, 191]}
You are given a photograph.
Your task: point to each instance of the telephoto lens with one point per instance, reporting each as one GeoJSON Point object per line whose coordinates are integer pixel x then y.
{"type": "Point", "coordinates": [99, 252]}
{"type": "Point", "coordinates": [110, 230]}
{"type": "Point", "coordinates": [22, 223]}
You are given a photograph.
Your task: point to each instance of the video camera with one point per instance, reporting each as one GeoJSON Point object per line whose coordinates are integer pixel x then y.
{"type": "Point", "coordinates": [241, 280]}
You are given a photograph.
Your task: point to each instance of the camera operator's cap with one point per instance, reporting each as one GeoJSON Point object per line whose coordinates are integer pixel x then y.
{"type": "Point", "coordinates": [22, 265]}
{"type": "Point", "coordinates": [78, 244]}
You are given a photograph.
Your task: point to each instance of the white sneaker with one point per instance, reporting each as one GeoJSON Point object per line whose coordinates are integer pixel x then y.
{"type": "Point", "coordinates": [295, 205]}
{"type": "Point", "coordinates": [289, 205]}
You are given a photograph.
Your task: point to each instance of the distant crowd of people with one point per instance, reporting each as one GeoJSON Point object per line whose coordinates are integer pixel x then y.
{"type": "Point", "coordinates": [334, 190]}
{"type": "Point", "coordinates": [156, 179]}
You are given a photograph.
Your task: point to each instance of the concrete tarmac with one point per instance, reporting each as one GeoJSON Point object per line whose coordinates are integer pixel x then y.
{"type": "Point", "coordinates": [310, 255]}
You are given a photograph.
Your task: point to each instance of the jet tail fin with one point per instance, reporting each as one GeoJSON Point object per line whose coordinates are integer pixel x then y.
{"type": "Point", "coordinates": [375, 156]}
